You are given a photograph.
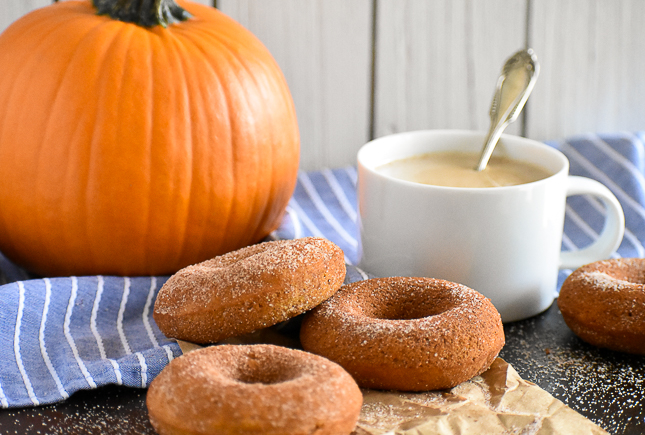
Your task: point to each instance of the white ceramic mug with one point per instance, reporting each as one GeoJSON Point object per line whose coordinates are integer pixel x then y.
{"type": "Point", "coordinates": [501, 241]}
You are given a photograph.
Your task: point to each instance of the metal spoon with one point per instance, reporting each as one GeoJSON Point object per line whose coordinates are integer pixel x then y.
{"type": "Point", "coordinates": [514, 86]}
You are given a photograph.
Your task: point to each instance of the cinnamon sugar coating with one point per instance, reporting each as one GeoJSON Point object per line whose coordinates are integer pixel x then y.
{"type": "Point", "coordinates": [258, 389]}
{"type": "Point", "coordinates": [248, 289]}
{"type": "Point", "coordinates": [410, 334]}
{"type": "Point", "coordinates": [604, 304]}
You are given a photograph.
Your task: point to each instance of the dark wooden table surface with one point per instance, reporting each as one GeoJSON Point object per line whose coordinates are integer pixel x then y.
{"type": "Point", "coordinates": [607, 387]}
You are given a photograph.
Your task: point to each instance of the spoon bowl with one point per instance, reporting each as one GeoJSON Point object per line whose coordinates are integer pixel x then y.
{"type": "Point", "coordinates": [514, 85]}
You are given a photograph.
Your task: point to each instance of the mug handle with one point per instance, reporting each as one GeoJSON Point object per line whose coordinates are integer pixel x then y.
{"type": "Point", "coordinates": [612, 232]}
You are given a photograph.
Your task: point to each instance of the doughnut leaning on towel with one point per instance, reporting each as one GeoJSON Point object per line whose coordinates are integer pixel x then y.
{"type": "Point", "coordinates": [248, 289]}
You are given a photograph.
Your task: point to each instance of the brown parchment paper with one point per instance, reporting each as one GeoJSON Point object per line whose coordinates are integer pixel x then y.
{"type": "Point", "coordinates": [498, 401]}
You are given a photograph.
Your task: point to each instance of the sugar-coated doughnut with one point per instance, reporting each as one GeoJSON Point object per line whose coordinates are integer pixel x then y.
{"type": "Point", "coordinates": [248, 289]}
{"type": "Point", "coordinates": [604, 304]}
{"type": "Point", "coordinates": [410, 334]}
{"type": "Point", "coordinates": [257, 389]}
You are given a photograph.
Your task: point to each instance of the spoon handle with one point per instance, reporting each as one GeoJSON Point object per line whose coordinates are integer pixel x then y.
{"type": "Point", "coordinates": [514, 86]}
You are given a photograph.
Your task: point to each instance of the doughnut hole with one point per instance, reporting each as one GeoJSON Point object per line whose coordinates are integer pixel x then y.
{"type": "Point", "coordinates": [419, 300]}
{"type": "Point", "coordinates": [254, 370]}
{"type": "Point", "coordinates": [409, 308]}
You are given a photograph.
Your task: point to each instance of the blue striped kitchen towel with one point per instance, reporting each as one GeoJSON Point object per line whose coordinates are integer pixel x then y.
{"type": "Point", "coordinates": [61, 335]}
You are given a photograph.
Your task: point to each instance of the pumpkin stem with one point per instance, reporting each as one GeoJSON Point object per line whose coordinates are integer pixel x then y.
{"type": "Point", "coordinates": [147, 13]}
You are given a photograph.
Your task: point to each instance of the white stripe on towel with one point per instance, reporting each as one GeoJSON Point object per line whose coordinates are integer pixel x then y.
{"type": "Point", "coordinates": [70, 339]}
{"type": "Point", "coordinates": [617, 157]}
{"type": "Point", "coordinates": [297, 226]}
{"type": "Point", "coordinates": [95, 332]}
{"type": "Point", "coordinates": [584, 226]}
{"type": "Point", "coordinates": [124, 339]}
{"type": "Point", "coordinates": [146, 318]}
{"type": "Point", "coordinates": [306, 183]}
{"type": "Point", "coordinates": [16, 344]}
{"type": "Point", "coordinates": [304, 219]}
{"type": "Point", "coordinates": [637, 141]}
{"type": "Point", "coordinates": [580, 223]}
{"type": "Point", "coordinates": [308, 223]}
{"type": "Point", "coordinates": [607, 181]}
{"type": "Point", "coordinates": [95, 309]}
{"type": "Point", "coordinates": [362, 273]}
{"type": "Point", "coordinates": [117, 371]}
{"type": "Point", "coordinates": [631, 238]}
{"type": "Point", "coordinates": [339, 193]}
{"type": "Point", "coordinates": [168, 349]}
{"type": "Point", "coordinates": [3, 398]}
{"type": "Point", "coordinates": [146, 312]}
{"type": "Point", "coordinates": [144, 369]}
{"type": "Point", "coordinates": [352, 173]}
{"type": "Point", "coordinates": [41, 339]}
{"type": "Point", "coordinates": [568, 243]}
{"type": "Point", "coordinates": [119, 320]}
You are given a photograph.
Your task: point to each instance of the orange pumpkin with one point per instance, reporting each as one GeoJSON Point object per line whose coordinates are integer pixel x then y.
{"type": "Point", "coordinates": [138, 150]}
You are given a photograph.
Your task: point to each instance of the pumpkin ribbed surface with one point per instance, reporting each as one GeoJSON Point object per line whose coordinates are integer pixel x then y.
{"type": "Point", "coordinates": [134, 151]}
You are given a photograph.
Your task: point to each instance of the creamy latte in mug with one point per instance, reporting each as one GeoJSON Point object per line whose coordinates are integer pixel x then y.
{"type": "Point", "coordinates": [457, 169]}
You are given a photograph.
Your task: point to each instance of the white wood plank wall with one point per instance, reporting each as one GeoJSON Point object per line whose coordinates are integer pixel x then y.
{"type": "Point", "coordinates": [364, 68]}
